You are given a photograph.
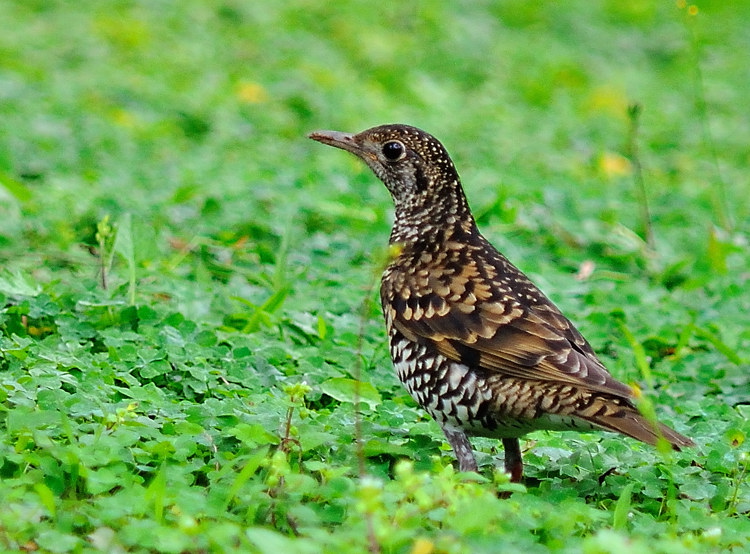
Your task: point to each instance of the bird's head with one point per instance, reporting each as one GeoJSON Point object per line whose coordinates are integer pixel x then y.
{"type": "Point", "coordinates": [412, 164]}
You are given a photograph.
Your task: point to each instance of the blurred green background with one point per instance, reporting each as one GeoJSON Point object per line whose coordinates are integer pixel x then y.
{"type": "Point", "coordinates": [137, 106]}
{"type": "Point", "coordinates": [182, 125]}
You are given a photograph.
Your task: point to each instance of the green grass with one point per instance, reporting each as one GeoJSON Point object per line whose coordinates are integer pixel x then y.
{"type": "Point", "coordinates": [204, 399]}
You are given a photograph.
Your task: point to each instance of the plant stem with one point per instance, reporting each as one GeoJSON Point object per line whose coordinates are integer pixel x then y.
{"type": "Point", "coordinates": [718, 187]}
{"type": "Point", "coordinates": [634, 114]}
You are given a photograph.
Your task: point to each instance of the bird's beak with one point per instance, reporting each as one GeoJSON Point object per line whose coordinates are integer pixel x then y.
{"type": "Point", "coordinates": [345, 141]}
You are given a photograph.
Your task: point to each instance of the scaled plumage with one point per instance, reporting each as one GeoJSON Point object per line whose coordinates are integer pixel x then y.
{"type": "Point", "coordinates": [474, 341]}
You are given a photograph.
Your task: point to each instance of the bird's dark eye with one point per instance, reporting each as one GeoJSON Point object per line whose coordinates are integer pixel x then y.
{"type": "Point", "coordinates": [394, 150]}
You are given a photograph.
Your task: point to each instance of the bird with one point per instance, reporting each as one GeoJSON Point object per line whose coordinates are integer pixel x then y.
{"type": "Point", "coordinates": [474, 341]}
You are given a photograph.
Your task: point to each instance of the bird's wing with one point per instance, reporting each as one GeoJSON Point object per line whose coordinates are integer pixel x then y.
{"type": "Point", "coordinates": [514, 330]}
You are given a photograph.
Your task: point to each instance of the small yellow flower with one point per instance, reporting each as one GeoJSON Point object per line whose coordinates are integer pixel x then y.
{"type": "Point", "coordinates": [422, 546]}
{"type": "Point", "coordinates": [614, 165]}
{"type": "Point", "coordinates": [252, 93]}
{"type": "Point", "coordinates": [123, 117]}
{"type": "Point", "coordinates": [610, 100]}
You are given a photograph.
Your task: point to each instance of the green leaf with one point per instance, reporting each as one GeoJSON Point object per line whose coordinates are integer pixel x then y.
{"type": "Point", "coordinates": [267, 541]}
{"type": "Point", "coordinates": [253, 434]}
{"type": "Point", "coordinates": [52, 540]}
{"type": "Point", "coordinates": [17, 284]}
{"type": "Point", "coordinates": [260, 314]}
{"type": "Point", "coordinates": [47, 497]}
{"type": "Point", "coordinates": [641, 359]}
{"type": "Point", "coordinates": [251, 465]}
{"type": "Point", "coordinates": [16, 188]}
{"type": "Point", "coordinates": [344, 389]}
{"type": "Point", "coordinates": [124, 247]}
{"type": "Point", "coordinates": [717, 251]}
{"type": "Point", "coordinates": [720, 345]}
{"type": "Point", "coordinates": [322, 327]}
{"type": "Point", "coordinates": [157, 492]}
{"type": "Point", "coordinates": [622, 508]}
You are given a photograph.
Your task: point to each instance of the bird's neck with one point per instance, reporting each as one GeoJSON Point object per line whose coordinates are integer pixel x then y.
{"type": "Point", "coordinates": [433, 217]}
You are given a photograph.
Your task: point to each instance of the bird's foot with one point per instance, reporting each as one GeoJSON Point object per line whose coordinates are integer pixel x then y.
{"type": "Point", "coordinates": [513, 460]}
{"type": "Point", "coordinates": [461, 448]}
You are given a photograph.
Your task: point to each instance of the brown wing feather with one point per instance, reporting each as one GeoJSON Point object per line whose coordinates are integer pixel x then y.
{"type": "Point", "coordinates": [514, 350]}
{"type": "Point", "coordinates": [486, 313]}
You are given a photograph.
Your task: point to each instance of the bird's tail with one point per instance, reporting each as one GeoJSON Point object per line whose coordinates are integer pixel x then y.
{"type": "Point", "coordinates": [629, 421]}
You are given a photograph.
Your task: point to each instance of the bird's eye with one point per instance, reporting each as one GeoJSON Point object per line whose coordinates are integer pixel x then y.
{"type": "Point", "coordinates": [394, 150]}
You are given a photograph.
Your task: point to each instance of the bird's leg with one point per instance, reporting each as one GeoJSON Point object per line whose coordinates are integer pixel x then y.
{"type": "Point", "coordinates": [461, 448]}
{"type": "Point", "coordinates": [513, 461]}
